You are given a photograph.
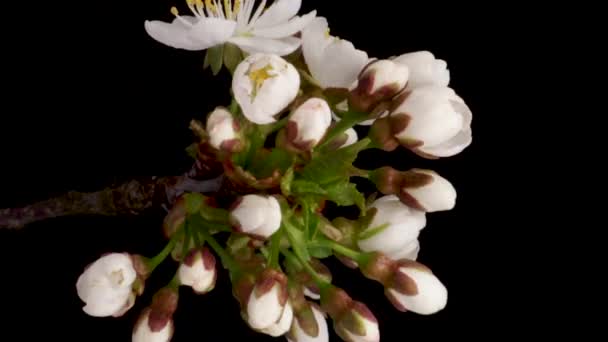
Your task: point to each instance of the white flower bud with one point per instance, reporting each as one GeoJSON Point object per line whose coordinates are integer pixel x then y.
{"type": "Point", "coordinates": [221, 127]}
{"type": "Point", "coordinates": [358, 325]}
{"type": "Point", "coordinates": [385, 75]}
{"type": "Point", "coordinates": [402, 226]}
{"type": "Point", "coordinates": [422, 292]}
{"type": "Point", "coordinates": [435, 121]}
{"type": "Point", "coordinates": [409, 251]}
{"type": "Point", "coordinates": [438, 194]}
{"type": "Point", "coordinates": [106, 286]}
{"type": "Point", "coordinates": [425, 69]}
{"type": "Point", "coordinates": [257, 215]}
{"type": "Point", "coordinates": [308, 123]}
{"type": "Point", "coordinates": [268, 308]}
{"type": "Point", "coordinates": [198, 271]}
{"type": "Point", "coordinates": [147, 331]}
{"type": "Point", "coordinates": [299, 335]}
{"type": "Point", "coordinates": [264, 85]}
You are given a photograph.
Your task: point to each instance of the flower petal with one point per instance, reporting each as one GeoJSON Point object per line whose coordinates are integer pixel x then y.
{"type": "Point", "coordinates": [209, 32]}
{"type": "Point", "coordinates": [340, 65]}
{"type": "Point", "coordinates": [174, 34]}
{"type": "Point", "coordinates": [314, 42]}
{"type": "Point", "coordinates": [279, 12]}
{"type": "Point", "coordinates": [279, 47]}
{"type": "Point", "coordinates": [289, 28]}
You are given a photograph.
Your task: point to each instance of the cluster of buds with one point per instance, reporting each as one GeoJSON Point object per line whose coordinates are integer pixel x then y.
{"type": "Point", "coordinates": [309, 322]}
{"type": "Point", "coordinates": [409, 285]}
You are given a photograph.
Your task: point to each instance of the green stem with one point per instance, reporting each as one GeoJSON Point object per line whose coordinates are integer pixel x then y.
{"type": "Point", "coordinates": [349, 121]}
{"type": "Point", "coordinates": [234, 106]}
{"type": "Point", "coordinates": [174, 283]}
{"type": "Point", "coordinates": [226, 259]}
{"type": "Point", "coordinates": [356, 172]}
{"type": "Point", "coordinates": [347, 252]}
{"type": "Point", "coordinates": [294, 259]}
{"type": "Point", "coordinates": [186, 242]}
{"type": "Point", "coordinates": [275, 245]}
{"type": "Point", "coordinates": [158, 259]}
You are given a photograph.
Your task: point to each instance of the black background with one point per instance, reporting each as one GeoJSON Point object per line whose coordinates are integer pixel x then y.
{"type": "Point", "coordinates": [92, 100]}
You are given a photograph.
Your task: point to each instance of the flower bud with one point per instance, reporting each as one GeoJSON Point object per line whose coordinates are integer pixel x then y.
{"type": "Point", "coordinates": [308, 124]}
{"type": "Point", "coordinates": [358, 325]}
{"type": "Point", "coordinates": [198, 271]}
{"type": "Point", "coordinates": [176, 217]}
{"type": "Point", "coordinates": [425, 69]}
{"type": "Point", "coordinates": [432, 121]}
{"type": "Point", "coordinates": [309, 326]}
{"type": "Point", "coordinates": [257, 215]}
{"type": "Point", "coordinates": [311, 289]}
{"type": "Point", "coordinates": [109, 285]}
{"type": "Point", "coordinates": [155, 324]}
{"type": "Point", "coordinates": [417, 289]}
{"type": "Point", "coordinates": [392, 227]}
{"type": "Point", "coordinates": [382, 136]}
{"type": "Point", "coordinates": [379, 81]}
{"type": "Point", "coordinates": [222, 130]}
{"type": "Point", "coordinates": [268, 309]}
{"type": "Point", "coordinates": [263, 86]}
{"type": "Point", "coordinates": [409, 251]}
{"type": "Point", "coordinates": [427, 191]}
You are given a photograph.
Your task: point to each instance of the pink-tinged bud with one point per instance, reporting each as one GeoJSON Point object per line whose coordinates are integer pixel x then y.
{"type": "Point", "coordinates": [358, 325]}
{"type": "Point", "coordinates": [378, 267]}
{"type": "Point", "coordinates": [107, 285]}
{"type": "Point", "coordinates": [176, 253]}
{"type": "Point", "coordinates": [335, 301]}
{"type": "Point", "coordinates": [176, 217]}
{"type": "Point", "coordinates": [257, 215]}
{"type": "Point", "coordinates": [309, 325]}
{"type": "Point", "coordinates": [415, 288]}
{"type": "Point", "coordinates": [242, 288]}
{"type": "Point", "coordinates": [381, 80]}
{"type": "Point", "coordinates": [268, 308]}
{"type": "Point", "coordinates": [146, 330]}
{"type": "Point", "coordinates": [198, 271]}
{"type": "Point", "coordinates": [156, 322]}
{"type": "Point", "coordinates": [392, 227]}
{"type": "Point", "coordinates": [426, 190]}
{"type": "Point", "coordinates": [425, 69]}
{"type": "Point", "coordinates": [382, 136]}
{"type": "Point", "coordinates": [387, 180]}
{"type": "Point", "coordinates": [432, 120]}
{"type": "Point", "coordinates": [308, 124]}
{"type": "Point", "coordinates": [223, 130]}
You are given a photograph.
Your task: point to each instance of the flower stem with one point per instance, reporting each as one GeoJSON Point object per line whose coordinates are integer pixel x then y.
{"type": "Point", "coordinates": [234, 106]}
{"type": "Point", "coordinates": [295, 260]}
{"type": "Point", "coordinates": [340, 249]}
{"type": "Point", "coordinates": [158, 259]}
{"type": "Point", "coordinates": [349, 120]}
{"type": "Point", "coordinates": [227, 260]}
{"type": "Point", "coordinates": [275, 245]}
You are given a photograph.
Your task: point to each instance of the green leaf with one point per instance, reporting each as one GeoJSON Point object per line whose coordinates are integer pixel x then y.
{"type": "Point", "coordinates": [286, 182]}
{"type": "Point", "coordinates": [334, 165]}
{"type": "Point", "coordinates": [345, 194]}
{"type": "Point", "coordinates": [194, 201]}
{"type": "Point", "coordinates": [301, 186]}
{"type": "Point", "coordinates": [297, 240]}
{"type": "Point", "coordinates": [264, 166]}
{"type": "Point", "coordinates": [215, 58]}
{"type": "Point", "coordinates": [232, 56]}
{"type": "Point", "coordinates": [349, 120]}
{"type": "Point", "coordinates": [320, 252]}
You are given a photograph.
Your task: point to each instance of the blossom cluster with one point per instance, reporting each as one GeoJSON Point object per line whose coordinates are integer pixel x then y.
{"type": "Point", "coordinates": [285, 147]}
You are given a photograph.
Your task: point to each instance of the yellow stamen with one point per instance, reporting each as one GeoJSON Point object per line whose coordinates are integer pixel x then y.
{"type": "Point", "coordinates": [190, 2]}
{"type": "Point", "coordinates": [174, 11]}
{"type": "Point", "coordinates": [228, 8]}
{"type": "Point", "coordinates": [259, 76]}
{"type": "Point", "coordinates": [237, 7]}
{"type": "Point", "coordinates": [211, 6]}
{"type": "Point", "coordinates": [327, 35]}
{"type": "Point", "coordinates": [199, 6]}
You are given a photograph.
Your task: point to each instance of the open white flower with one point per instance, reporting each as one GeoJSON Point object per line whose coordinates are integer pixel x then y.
{"type": "Point", "coordinates": [106, 285]}
{"type": "Point", "coordinates": [268, 30]}
{"type": "Point", "coordinates": [263, 86]}
{"type": "Point", "coordinates": [333, 62]}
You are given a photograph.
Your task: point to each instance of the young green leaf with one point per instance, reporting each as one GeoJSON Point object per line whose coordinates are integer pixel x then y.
{"type": "Point", "coordinates": [286, 182]}
{"type": "Point", "coordinates": [320, 252]}
{"type": "Point", "coordinates": [301, 186]}
{"type": "Point", "coordinates": [345, 194]}
{"type": "Point", "coordinates": [368, 233]}
{"type": "Point", "coordinates": [334, 165]}
{"type": "Point", "coordinates": [216, 58]}
{"type": "Point", "coordinates": [264, 166]}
